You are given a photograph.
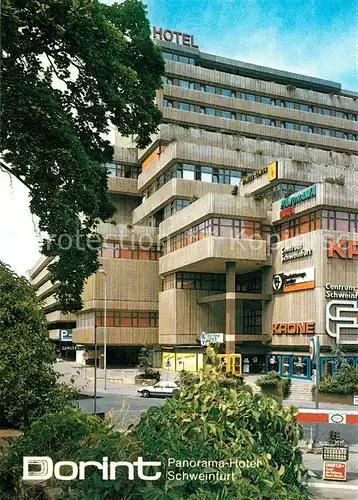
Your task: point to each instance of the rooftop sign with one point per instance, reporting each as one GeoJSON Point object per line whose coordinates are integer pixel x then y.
{"type": "Point", "coordinates": [177, 36]}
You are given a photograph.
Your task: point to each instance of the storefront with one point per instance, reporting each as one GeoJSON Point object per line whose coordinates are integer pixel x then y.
{"type": "Point", "coordinates": [328, 364]}
{"type": "Point", "coordinates": [178, 361]}
{"type": "Point", "coordinates": [288, 365]}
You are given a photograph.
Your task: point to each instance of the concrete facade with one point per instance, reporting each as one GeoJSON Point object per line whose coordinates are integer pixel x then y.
{"type": "Point", "coordinates": [240, 218]}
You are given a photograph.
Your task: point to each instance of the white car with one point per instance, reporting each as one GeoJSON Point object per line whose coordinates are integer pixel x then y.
{"type": "Point", "coordinates": [159, 389]}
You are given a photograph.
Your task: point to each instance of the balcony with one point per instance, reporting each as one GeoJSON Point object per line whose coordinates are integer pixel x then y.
{"type": "Point", "coordinates": [210, 255]}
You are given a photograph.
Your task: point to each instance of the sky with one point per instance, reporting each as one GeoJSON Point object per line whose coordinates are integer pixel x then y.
{"type": "Point", "coordinates": [313, 37]}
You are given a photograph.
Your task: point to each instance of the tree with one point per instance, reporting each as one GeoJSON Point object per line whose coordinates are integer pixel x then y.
{"type": "Point", "coordinates": [70, 70]}
{"type": "Point", "coordinates": [28, 382]}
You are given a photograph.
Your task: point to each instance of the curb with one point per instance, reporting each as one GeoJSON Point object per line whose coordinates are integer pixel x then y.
{"type": "Point", "coordinates": [332, 486]}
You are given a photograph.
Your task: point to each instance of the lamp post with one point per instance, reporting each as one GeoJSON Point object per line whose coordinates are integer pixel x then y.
{"type": "Point", "coordinates": [102, 271]}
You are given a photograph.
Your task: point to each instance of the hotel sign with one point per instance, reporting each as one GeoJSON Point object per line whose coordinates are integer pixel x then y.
{"type": "Point", "coordinates": [177, 36]}
{"type": "Point", "coordinates": [287, 206]}
{"type": "Point", "coordinates": [295, 252]}
{"type": "Point", "coordinates": [270, 169]}
{"type": "Point", "coordinates": [343, 249]}
{"type": "Point", "coordinates": [294, 281]}
{"type": "Point", "coordinates": [308, 327]}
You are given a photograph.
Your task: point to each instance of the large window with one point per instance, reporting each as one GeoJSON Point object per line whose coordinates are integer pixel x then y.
{"type": "Point", "coordinates": [195, 173]}
{"type": "Point", "coordinates": [320, 219]}
{"type": "Point", "coordinates": [129, 251]}
{"type": "Point", "coordinates": [174, 207]}
{"type": "Point", "coordinates": [225, 228]}
{"type": "Point", "coordinates": [252, 317]}
{"type": "Point", "coordinates": [127, 171]}
{"type": "Point", "coordinates": [279, 191]}
{"type": "Point", "coordinates": [141, 319]}
{"type": "Point", "coordinates": [249, 283]}
{"type": "Point", "coordinates": [174, 57]}
{"type": "Point", "coordinates": [195, 281]}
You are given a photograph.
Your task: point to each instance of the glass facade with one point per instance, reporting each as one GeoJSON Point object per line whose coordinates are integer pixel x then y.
{"type": "Point", "coordinates": [140, 319]}
{"type": "Point", "coordinates": [195, 281]}
{"type": "Point", "coordinates": [195, 173]}
{"type": "Point", "coordinates": [320, 219]}
{"type": "Point", "coordinates": [127, 171]}
{"type": "Point", "coordinates": [129, 251]}
{"type": "Point", "coordinates": [279, 191]}
{"type": "Point", "coordinates": [262, 120]}
{"type": "Point", "coordinates": [225, 228]}
{"type": "Point", "coordinates": [258, 97]}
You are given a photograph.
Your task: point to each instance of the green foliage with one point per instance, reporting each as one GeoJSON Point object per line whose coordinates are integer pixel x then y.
{"type": "Point", "coordinates": [345, 377]}
{"type": "Point", "coordinates": [145, 365]}
{"type": "Point", "coordinates": [272, 380]}
{"type": "Point", "coordinates": [70, 70]}
{"type": "Point", "coordinates": [344, 382]}
{"type": "Point", "coordinates": [28, 382]}
{"type": "Point", "coordinates": [207, 421]}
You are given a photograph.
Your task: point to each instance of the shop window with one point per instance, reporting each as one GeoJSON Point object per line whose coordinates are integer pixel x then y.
{"type": "Point", "coordinates": [300, 366]}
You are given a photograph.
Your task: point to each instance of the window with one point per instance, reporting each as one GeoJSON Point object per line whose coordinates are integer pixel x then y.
{"type": "Point", "coordinates": [289, 104]}
{"type": "Point", "coordinates": [168, 104]}
{"type": "Point", "coordinates": [228, 114]}
{"type": "Point", "coordinates": [289, 125]}
{"type": "Point", "coordinates": [221, 227]}
{"type": "Point", "coordinates": [325, 111]}
{"type": "Point", "coordinates": [248, 118]}
{"type": "Point", "coordinates": [130, 251]}
{"type": "Point", "coordinates": [208, 88]}
{"type": "Point", "coordinates": [119, 318]}
{"type": "Point", "coordinates": [252, 317]}
{"type": "Point", "coordinates": [208, 111]}
{"type": "Point", "coordinates": [273, 123]}
{"type": "Point", "coordinates": [168, 80]}
{"type": "Point", "coordinates": [195, 281]}
{"type": "Point", "coordinates": [228, 93]}
{"type": "Point", "coordinates": [266, 121]}
{"type": "Point", "coordinates": [265, 100]}
{"type": "Point", "coordinates": [186, 107]}
{"type": "Point", "coordinates": [186, 85]}
{"type": "Point", "coordinates": [174, 207]}
{"type": "Point", "coordinates": [127, 171]}
{"type": "Point", "coordinates": [249, 283]}
{"type": "Point", "coordinates": [305, 107]}
{"type": "Point", "coordinates": [303, 128]}
{"type": "Point", "coordinates": [249, 97]}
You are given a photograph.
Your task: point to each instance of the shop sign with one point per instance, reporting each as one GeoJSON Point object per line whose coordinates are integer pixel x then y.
{"type": "Point", "coordinates": [355, 399]}
{"type": "Point", "coordinates": [341, 318]}
{"type": "Point", "coordinates": [212, 338]}
{"type": "Point", "coordinates": [295, 252]}
{"type": "Point", "coordinates": [66, 335]}
{"type": "Point", "coordinates": [295, 199]}
{"type": "Point", "coordinates": [294, 281]}
{"type": "Point", "coordinates": [334, 471]}
{"type": "Point", "coordinates": [270, 169]}
{"type": "Point", "coordinates": [343, 292]}
{"type": "Point", "coordinates": [343, 249]}
{"type": "Point", "coordinates": [307, 327]}
{"type": "Point", "coordinates": [177, 36]}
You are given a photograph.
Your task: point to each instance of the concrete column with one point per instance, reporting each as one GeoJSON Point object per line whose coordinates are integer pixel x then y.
{"type": "Point", "coordinates": [230, 308]}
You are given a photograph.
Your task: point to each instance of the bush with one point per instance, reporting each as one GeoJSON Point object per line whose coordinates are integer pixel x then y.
{"type": "Point", "coordinates": [149, 374]}
{"type": "Point", "coordinates": [272, 381]}
{"type": "Point", "coordinates": [209, 422]}
{"type": "Point", "coordinates": [343, 382]}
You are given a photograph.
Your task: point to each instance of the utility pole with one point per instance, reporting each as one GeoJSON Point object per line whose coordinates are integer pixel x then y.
{"type": "Point", "coordinates": [102, 271]}
{"type": "Point", "coordinates": [95, 371]}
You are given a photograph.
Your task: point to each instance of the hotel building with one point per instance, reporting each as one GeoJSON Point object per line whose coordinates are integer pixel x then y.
{"type": "Point", "coordinates": [240, 219]}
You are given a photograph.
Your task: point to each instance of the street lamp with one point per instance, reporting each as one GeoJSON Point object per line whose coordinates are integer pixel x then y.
{"type": "Point", "coordinates": [102, 271]}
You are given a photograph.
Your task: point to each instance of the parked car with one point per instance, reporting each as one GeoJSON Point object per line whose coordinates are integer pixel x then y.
{"type": "Point", "coordinates": [159, 389]}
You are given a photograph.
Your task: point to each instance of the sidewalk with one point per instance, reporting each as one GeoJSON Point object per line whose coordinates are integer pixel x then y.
{"type": "Point", "coordinates": [332, 490]}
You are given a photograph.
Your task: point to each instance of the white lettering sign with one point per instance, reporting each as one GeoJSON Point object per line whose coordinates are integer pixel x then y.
{"type": "Point", "coordinates": [341, 316]}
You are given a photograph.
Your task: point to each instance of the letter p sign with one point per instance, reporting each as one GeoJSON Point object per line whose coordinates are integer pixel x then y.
{"type": "Point", "coordinates": [37, 468]}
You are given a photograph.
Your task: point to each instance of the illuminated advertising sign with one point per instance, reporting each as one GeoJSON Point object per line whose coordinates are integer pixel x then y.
{"type": "Point", "coordinates": [288, 204]}
{"type": "Point", "coordinates": [294, 281]}
{"type": "Point", "coordinates": [308, 327]}
{"type": "Point", "coordinates": [177, 36]}
{"type": "Point", "coordinates": [343, 249]}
